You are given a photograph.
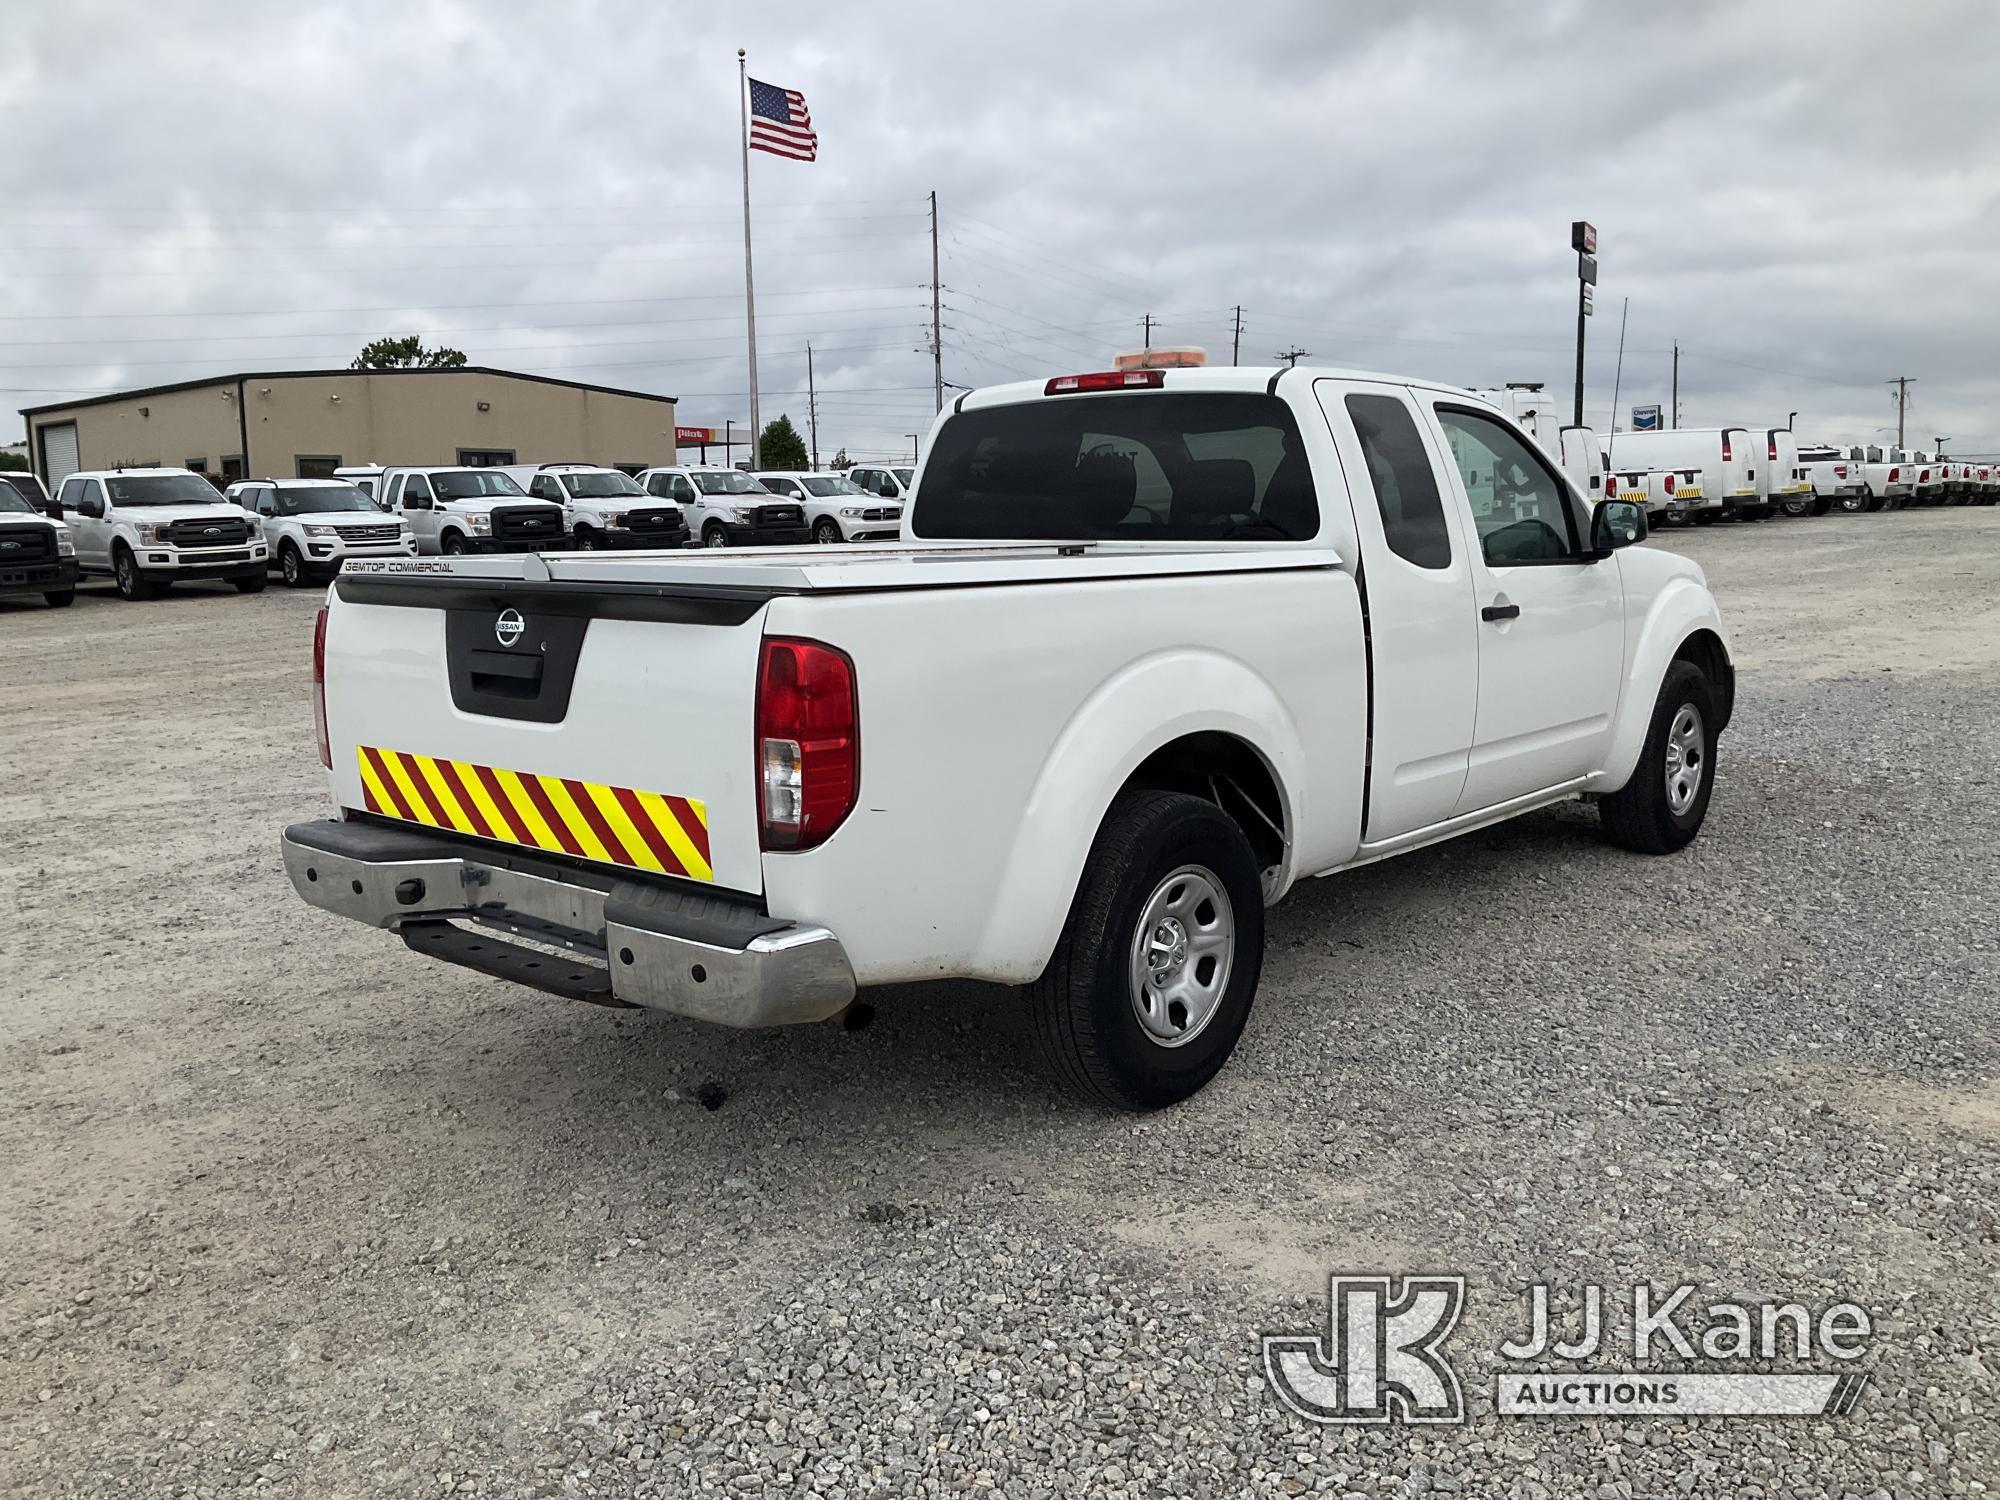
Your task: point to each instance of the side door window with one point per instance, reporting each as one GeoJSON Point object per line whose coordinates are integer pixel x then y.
{"type": "Point", "coordinates": [68, 495]}
{"type": "Point", "coordinates": [1406, 491]}
{"type": "Point", "coordinates": [546, 488]}
{"type": "Point", "coordinates": [1550, 620]}
{"type": "Point", "coordinates": [1521, 511]}
{"type": "Point", "coordinates": [416, 492]}
{"type": "Point", "coordinates": [682, 489]}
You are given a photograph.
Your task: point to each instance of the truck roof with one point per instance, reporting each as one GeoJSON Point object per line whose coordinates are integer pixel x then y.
{"type": "Point", "coordinates": [1244, 378]}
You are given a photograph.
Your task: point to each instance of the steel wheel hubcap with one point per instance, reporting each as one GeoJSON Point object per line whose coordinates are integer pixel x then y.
{"type": "Point", "coordinates": [1182, 953]}
{"type": "Point", "coordinates": [1687, 758]}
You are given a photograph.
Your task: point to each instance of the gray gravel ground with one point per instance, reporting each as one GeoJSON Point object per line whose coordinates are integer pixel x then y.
{"type": "Point", "coordinates": [285, 1207]}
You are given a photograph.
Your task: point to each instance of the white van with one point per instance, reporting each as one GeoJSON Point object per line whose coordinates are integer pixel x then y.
{"type": "Point", "coordinates": [1571, 445]}
{"type": "Point", "coordinates": [1727, 458]}
{"type": "Point", "coordinates": [1782, 475]}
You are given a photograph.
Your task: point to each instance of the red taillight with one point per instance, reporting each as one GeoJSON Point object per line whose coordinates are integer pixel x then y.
{"type": "Point", "coordinates": [1611, 486]}
{"type": "Point", "coordinates": [1726, 454]}
{"type": "Point", "coordinates": [1840, 471]}
{"type": "Point", "coordinates": [1894, 476]}
{"type": "Point", "coordinates": [1670, 484]}
{"type": "Point", "coordinates": [319, 690]}
{"type": "Point", "coordinates": [808, 742]}
{"type": "Point", "coordinates": [1773, 454]}
{"type": "Point", "coordinates": [1106, 380]}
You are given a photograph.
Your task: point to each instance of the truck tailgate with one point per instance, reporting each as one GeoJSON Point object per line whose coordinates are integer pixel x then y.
{"type": "Point", "coordinates": [617, 729]}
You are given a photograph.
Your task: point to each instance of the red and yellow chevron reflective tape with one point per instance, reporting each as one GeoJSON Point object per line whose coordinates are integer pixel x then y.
{"type": "Point", "coordinates": [610, 824]}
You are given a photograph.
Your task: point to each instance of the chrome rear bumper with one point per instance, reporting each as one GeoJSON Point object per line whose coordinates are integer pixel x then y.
{"type": "Point", "coordinates": [599, 937]}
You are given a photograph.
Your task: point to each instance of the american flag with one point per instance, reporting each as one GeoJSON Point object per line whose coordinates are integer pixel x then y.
{"type": "Point", "coordinates": [780, 123]}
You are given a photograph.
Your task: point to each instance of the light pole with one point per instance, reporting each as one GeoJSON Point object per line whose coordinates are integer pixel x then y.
{"type": "Point", "coordinates": [913, 445]}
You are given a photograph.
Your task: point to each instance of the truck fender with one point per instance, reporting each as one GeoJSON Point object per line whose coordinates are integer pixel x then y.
{"type": "Point", "coordinates": [1108, 737]}
{"type": "Point", "coordinates": [1680, 610]}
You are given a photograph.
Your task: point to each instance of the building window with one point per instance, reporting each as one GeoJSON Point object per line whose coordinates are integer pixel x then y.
{"type": "Point", "coordinates": [232, 467]}
{"type": "Point", "coordinates": [485, 458]}
{"type": "Point", "coordinates": [315, 465]}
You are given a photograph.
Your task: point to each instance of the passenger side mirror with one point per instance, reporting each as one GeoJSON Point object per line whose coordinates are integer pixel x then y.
{"type": "Point", "coordinates": [92, 508]}
{"type": "Point", "coordinates": [53, 510]}
{"type": "Point", "coordinates": [1615, 524]}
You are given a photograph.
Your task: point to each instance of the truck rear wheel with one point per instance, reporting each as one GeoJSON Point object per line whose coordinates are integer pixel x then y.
{"type": "Point", "coordinates": [1151, 982]}
{"type": "Point", "coordinates": [1662, 807]}
{"type": "Point", "coordinates": [253, 584]}
{"type": "Point", "coordinates": [60, 598]}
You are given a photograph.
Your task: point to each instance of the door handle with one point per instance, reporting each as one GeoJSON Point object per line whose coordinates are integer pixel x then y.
{"type": "Point", "coordinates": [1501, 612]}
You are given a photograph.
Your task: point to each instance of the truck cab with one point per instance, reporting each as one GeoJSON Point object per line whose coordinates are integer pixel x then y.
{"type": "Point", "coordinates": [605, 508]}
{"type": "Point", "coordinates": [729, 508]}
{"type": "Point", "coordinates": [453, 509]}
{"type": "Point", "coordinates": [151, 528]}
{"type": "Point", "coordinates": [312, 526]}
{"type": "Point", "coordinates": [37, 552]}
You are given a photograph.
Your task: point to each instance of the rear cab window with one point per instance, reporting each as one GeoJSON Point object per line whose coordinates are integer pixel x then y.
{"type": "Point", "coordinates": [1159, 466]}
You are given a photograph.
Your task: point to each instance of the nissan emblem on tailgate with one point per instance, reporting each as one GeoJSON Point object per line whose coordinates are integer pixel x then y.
{"type": "Point", "coordinates": [507, 629]}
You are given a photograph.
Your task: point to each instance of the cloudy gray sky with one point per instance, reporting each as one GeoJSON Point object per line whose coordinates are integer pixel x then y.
{"type": "Point", "coordinates": [1802, 195]}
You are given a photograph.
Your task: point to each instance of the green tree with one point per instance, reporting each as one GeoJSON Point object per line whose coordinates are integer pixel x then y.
{"type": "Point", "coordinates": [782, 447]}
{"type": "Point", "coordinates": [842, 461]}
{"type": "Point", "coordinates": [407, 354]}
{"type": "Point", "coordinates": [13, 460]}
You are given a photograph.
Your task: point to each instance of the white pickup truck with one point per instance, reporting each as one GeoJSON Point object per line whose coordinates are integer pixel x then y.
{"type": "Point", "coordinates": [1155, 646]}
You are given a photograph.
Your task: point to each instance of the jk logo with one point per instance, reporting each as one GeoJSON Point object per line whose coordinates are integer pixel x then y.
{"type": "Point", "coordinates": [1379, 1361]}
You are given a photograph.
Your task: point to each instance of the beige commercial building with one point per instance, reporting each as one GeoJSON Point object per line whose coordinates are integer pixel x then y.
{"type": "Point", "coordinates": [303, 423]}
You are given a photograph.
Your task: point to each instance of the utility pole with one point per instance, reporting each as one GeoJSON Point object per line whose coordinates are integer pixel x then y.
{"type": "Point", "coordinates": [1293, 355]}
{"type": "Point", "coordinates": [913, 445]}
{"type": "Point", "coordinates": [1902, 385]}
{"type": "Point", "coordinates": [1147, 323]}
{"type": "Point", "coordinates": [728, 441]}
{"type": "Point", "coordinates": [812, 405]}
{"type": "Point", "coordinates": [1677, 383]}
{"type": "Point", "coordinates": [1236, 342]}
{"type": "Point", "coordinates": [937, 331]}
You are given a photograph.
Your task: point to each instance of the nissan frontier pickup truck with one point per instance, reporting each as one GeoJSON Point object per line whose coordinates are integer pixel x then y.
{"type": "Point", "coordinates": [1153, 647]}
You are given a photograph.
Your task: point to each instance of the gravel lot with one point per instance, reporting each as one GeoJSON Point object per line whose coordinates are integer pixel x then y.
{"type": "Point", "coordinates": [286, 1207]}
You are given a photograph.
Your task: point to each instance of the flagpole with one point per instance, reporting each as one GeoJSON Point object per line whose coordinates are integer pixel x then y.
{"type": "Point", "coordinates": [749, 281]}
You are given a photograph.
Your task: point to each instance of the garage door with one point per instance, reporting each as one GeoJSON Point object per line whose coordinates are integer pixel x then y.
{"type": "Point", "coordinates": [59, 453]}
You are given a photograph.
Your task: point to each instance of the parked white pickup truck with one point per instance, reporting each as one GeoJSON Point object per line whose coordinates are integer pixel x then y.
{"type": "Point", "coordinates": [1155, 646]}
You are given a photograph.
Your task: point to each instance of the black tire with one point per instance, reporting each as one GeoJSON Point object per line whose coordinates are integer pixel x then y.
{"type": "Point", "coordinates": [125, 572]}
{"type": "Point", "coordinates": [587, 539]}
{"type": "Point", "coordinates": [453, 545]}
{"type": "Point", "coordinates": [714, 534]}
{"type": "Point", "coordinates": [1799, 508]}
{"type": "Point", "coordinates": [59, 598]}
{"type": "Point", "coordinates": [1854, 505]}
{"type": "Point", "coordinates": [1706, 517]}
{"type": "Point", "coordinates": [254, 584]}
{"type": "Point", "coordinates": [292, 566]}
{"type": "Point", "coordinates": [1082, 1008]}
{"type": "Point", "coordinates": [1822, 504]}
{"type": "Point", "coordinates": [826, 532]}
{"type": "Point", "coordinates": [1639, 816]}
